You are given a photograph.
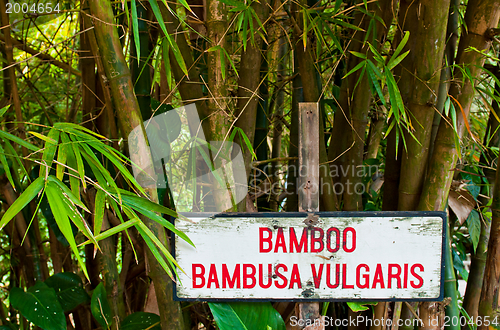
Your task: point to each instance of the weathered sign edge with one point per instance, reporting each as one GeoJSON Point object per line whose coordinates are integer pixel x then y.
{"type": "Point", "coordinates": [341, 214]}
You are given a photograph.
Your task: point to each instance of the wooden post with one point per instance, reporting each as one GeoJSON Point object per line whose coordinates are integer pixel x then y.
{"type": "Point", "coordinates": [309, 191]}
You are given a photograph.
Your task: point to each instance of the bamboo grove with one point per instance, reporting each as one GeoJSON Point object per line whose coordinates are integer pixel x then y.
{"type": "Point", "coordinates": [408, 91]}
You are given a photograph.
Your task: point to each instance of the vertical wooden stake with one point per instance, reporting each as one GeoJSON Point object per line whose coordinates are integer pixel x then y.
{"type": "Point", "coordinates": [309, 191]}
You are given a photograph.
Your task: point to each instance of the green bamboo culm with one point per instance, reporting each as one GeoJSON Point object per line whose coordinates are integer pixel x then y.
{"type": "Point", "coordinates": [450, 282]}
{"type": "Point", "coordinates": [129, 117]}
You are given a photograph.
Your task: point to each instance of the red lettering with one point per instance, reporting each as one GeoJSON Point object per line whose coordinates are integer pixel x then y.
{"type": "Point", "coordinates": [420, 279]}
{"type": "Point", "coordinates": [405, 276]}
{"type": "Point", "coordinates": [200, 275]}
{"type": "Point", "coordinates": [392, 276]}
{"type": "Point", "coordinates": [269, 276]}
{"type": "Point", "coordinates": [267, 240]}
{"type": "Point", "coordinates": [226, 279]}
{"type": "Point", "coordinates": [249, 276]}
{"type": "Point", "coordinates": [337, 276]}
{"type": "Point", "coordinates": [212, 277]}
{"type": "Point", "coordinates": [378, 278]}
{"type": "Point", "coordinates": [353, 239]}
{"type": "Point", "coordinates": [366, 277]}
{"type": "Point", "coordinates": [280, 241]}
{"type": "Point", "coordinates": [329, 239]}
{"type": "Point", "coordinates": [344, 278]}
{"type": "Point", "coordinates": [293, 241]}
{"type": "Point", "coordinates": [285, 281]}
{"type": "Point", "coordinates": [295, 278]}
{"type": "Point", "coordinates": [315, 240]}
{"type": "Point", "coordinates": [317, 274]}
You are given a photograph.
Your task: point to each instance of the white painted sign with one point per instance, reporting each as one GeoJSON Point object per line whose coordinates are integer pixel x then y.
{"type": "Point", "coordinates": [293, 256]}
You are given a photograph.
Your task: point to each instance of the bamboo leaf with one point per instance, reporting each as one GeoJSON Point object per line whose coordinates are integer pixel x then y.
{"type": "Point", "coordinates": [392, 63]}
{"type": "Point", "coordinates": [231, 62]}
{"type": "Point", "coordinates": [115, 230]}
{"type": "Point", "coordinates": [374, 81]}
{"type": "Point", "coordinates": [247, 142]}
{"type": "Point", "coordinates": [79, 164]}
{"type": "Point", "coordinates": [166, 62]}
{"type": "Point", "coordinates": [148, 209]}
{"type": "Point", "coordinates": [400, 46]}
{"type": "Point", "coordinates": [356, 68]}
{"type": "Point", "coordinates": [135, 30]}
{"type": "Point", "coordinates": [378, 57]}
{"type": "Point", "coordinates": [27, 196]}
{"type": "Point", "coordinates": [49, 151]}
{"type": "Point", "coordinates": [147, 234]}
{"type": "Point", "coordinates": [173, 44]}
{"type": "Point", "coordinates": [5, 164]}
{"type": "Point", "coordinates": [62, 156]}
{"type": "Point", "coordinates": [9, 148]}
{"type": "Point", "coordinates": [72, 164]}
{"type": "Point", "coordinates": [4, 110]}
{"type": "Point", "coordinates": [19, 141]}
{"type": "Point", "coordinates": [55, 199]}
{"type": "Point", "coordinates": [69, 194]}
{"type": "Point", "coordinates": [43, 137]}
{"type": "Point", "coordinates": [358, 54]}
{"type": "Point", "coordinates": [100, 198]}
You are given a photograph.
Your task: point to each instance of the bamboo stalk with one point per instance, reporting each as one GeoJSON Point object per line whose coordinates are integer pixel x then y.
{"type": "Point", "coordinates": [480, 16]}
{"type": "Point", "coordinates": [419, 85]}
{"type": "Point", "coordinates": [129, 117]}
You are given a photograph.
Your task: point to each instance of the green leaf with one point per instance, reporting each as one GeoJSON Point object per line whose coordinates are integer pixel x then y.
{"type": "Point", "coordinates": [166, 63]}
{"type": "Point", "coordinates": [33, 189]}
{"type": "Point", "coordinates": [474, 225]}
{"type": "Point", "coordinates": [393, 62]}
{"type": "Point", "coordinates": [135, 29]}
{"type": "Point", "coordinates": [247, 142]}
{"type": "Point", "coordinates": [49, 151]}
{"type": "Point", "coordinates": [4, 110]}
{"type": "Point", "coordinates": [69, 290]}
{"type": "Point", "coordinates": [360, 306]}
{"type": "Point", "coordinates": [356, 68]}
{"type": "Point", "coordinates": [400, 46]}
{"type": "Point", "coordinates": [79, 164]}
{"type": "Point", "coordinates": [58, 208]}
{"type": "Point", "coordinates": [148, 236]}
{"type": "Point", "coordinates": [12, 153]}
{"type": "Point", "coordinates": [458, 264]}
{"type": "Point", "coordinates": [40, 306]}
{"type": "Point", "coordinates": [99, 306]}
{"type": "Point", "coordinates": [100, 203]}
{"type": "Point", "coordinates": [19, 141]}
{"type": "Point", "coordinates": [5, 164]}
{"type": "Point", "coordinates": [141, 321]}
{"type": "Point", "coordinates": [173, 44]}
{"type": "Point", "coordinates": [69, 194]}
{"type": "Point", "coordinates": [62, 156]}
{"type": "Point", "coordinates": [74, 182]}
{"type": "Point", "coordinates": [115, 230]}
{"type": "Point", "coordinates": [373, 74]}
{"type": "Point", "coordinates": [246, 315]}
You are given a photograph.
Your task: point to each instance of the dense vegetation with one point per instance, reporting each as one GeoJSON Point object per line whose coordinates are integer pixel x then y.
{"type": "Point", "coordinates": [408, 95]}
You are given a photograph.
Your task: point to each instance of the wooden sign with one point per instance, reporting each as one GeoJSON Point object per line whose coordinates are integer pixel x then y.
{"type": "Point", "coordinates": [311, 256]}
